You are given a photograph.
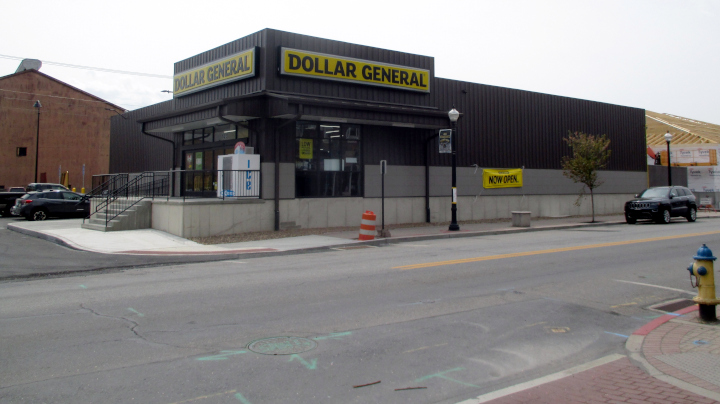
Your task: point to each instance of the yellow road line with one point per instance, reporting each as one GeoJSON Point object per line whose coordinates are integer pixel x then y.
{"type": "Point", "coordinates": [554, 250]}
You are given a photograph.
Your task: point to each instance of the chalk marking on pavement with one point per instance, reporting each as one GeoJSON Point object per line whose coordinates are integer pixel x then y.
{"type": "Point", "coordinates": [619, 335]}
{"type": "Point", "coordinates": [442, 376]}
{"type": "Point", "coordinates": [426, 347]}
{"type": "Point", "coordinates": [242, 399]}
{"type": "Point", "coordinates": [624, 304]}
{"type": "Point", "coordinates": [223, 355]}
{"type": "Point", "coordinates": [236, 262]}
{"type": "Point", "coordinates": [136, 312]}
{"type": "Point", "coordinates": [204, 397]}
{"type": "Point", "coordinates": [312, 365]}
{"type": "Point", "coordinates": [655, 286]}
{"type": "Point", "coordinates": [554, 250]}
{"type": "Point", "coordinates": [543, 380]}
{"type": "Point", "coordinates": [334, 335]}
{"type": "Point", "coordinates": [83, 286]}
{"type": "Point", "coordinates": [484, 327]}
{"type": "Point", "coordinates": [557, 330]}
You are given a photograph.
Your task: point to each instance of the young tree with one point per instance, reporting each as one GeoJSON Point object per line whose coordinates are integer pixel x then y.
{"type": "Point", "coordinates": [590, 153]}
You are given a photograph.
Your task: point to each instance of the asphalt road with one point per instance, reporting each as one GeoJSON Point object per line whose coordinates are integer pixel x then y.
{"type": "Point", "coordinates": [461, 317]}
{"type": "Point", "coordinates": [25, 257]}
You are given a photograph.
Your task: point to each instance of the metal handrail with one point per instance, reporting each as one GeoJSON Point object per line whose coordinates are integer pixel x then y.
{"type": "Point", "coordinates": [142, 186]}
{"type": "Point", "coordinates": [121, 192]}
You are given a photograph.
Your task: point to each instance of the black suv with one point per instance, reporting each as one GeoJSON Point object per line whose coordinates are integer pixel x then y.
{"type": "Point", "coordinates": [661, 204]}
{"type": "Point", "coordinates": [44, 204]}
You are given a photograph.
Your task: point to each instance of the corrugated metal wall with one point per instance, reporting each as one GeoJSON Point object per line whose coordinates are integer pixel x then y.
{"type": "Point", "coordinates": [130, 150]}
{"type": "Point", "coordinates": [500, 127]}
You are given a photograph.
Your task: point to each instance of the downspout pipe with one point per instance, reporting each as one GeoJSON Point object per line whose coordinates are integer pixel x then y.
{"type": "Point", "coordinates": [163, 139]}
{"type": "Point", "coordinates": [277, 164]}
{"type": "Point", "coordinates": [427, 177]}
{"type": "Point", "coordinates": [172, 185]}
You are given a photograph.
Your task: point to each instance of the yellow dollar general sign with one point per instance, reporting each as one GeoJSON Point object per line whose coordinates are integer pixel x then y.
{"type": "Point", "coordinates": [511, 178]}
{"type": "Point", "coordinates": [234, 67]}
{"type": "Point", "coordinates": [330, 67]}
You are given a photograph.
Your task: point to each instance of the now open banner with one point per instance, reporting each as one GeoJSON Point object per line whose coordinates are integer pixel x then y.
{"type": "Point", "coordinates": [508, 178]}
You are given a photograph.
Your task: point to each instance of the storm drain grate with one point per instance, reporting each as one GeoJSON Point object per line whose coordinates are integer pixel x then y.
{"type": "Point", "coordinates": [675, 306]}
{"type": "Point", "coordinates": [282, 345]}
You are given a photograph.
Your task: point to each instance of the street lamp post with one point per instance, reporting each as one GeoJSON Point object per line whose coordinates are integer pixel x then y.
{"type": "Point", "coordinates": [37, 137]}
{"type": "Point", "coordinates": [453, 114]}
{"type": "Point", "coordinates": [668, 138]}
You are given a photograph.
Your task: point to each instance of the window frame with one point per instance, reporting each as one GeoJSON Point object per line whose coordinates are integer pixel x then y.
{"type": "Point", "coordinates": [312, 180]}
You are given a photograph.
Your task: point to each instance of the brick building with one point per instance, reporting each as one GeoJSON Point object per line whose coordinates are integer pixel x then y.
{"type": "Point", "coordinates": [74, 129]}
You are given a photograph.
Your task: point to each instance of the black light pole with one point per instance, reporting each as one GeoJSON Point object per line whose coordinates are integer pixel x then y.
{"type": "Point", "coordinates": [668, 138]}
{"type": "Point", "coordinates": [37, 137]}
{"type": "Point", "coordinates": [454, 115]}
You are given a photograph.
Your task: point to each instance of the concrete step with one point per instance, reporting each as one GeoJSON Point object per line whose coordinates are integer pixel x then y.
{"type": "Point", "coordinates": [93, 226]}
{"type": "Point", "coordinates": [100, 219]}
{"type": "Point", "coordinates": [123, 218]}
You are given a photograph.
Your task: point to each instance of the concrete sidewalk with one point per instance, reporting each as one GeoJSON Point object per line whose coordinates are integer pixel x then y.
{"type": "Point", "coordinates": [155, 242]}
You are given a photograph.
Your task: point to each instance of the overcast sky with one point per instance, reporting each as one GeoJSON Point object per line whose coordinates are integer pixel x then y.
{"type": "Point", "coordinates": [660, 55]}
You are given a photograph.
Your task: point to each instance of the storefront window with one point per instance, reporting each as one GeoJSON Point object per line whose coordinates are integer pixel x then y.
{"type": "Point", "coordinates": [327, 162]}
{"type": "Point", "coordinates": [200, 177]}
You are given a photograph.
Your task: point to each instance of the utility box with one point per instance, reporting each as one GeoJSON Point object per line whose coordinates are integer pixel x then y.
{"type": "Point", "coordinates": [520, 219]}
{"type": "Point", "coordinates": [238, 176]}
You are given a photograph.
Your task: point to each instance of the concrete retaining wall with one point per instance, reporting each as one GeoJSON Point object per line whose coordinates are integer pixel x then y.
{"type": "Point", "coordinates": [212, 217]}
{"type": "Point", "coordinates": [208, 217]}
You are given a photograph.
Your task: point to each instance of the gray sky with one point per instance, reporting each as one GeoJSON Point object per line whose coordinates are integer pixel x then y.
{"type": "Point", "coordinates": [659, 55]}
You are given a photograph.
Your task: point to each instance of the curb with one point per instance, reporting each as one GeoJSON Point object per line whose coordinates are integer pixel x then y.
{"type": "Point", "coordinates": [234, 254]}
{"type": "Point", "coordinates": [634, 345]}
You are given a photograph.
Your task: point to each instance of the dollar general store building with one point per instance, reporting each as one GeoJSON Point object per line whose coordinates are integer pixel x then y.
{"type": "Point", "coordinates": [323, 114]}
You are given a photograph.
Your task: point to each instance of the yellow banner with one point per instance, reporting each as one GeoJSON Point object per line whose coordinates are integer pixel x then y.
{"type": "Point", "coordinates": [330, 67]}
{"type": "Point", "coordinates": [510, 178]}
{"type": "Point", "coordinates": [235, 67]}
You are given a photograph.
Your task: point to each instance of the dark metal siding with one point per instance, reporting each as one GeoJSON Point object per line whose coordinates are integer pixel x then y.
{"type": "Point", "coordinates": [502, 127]}
{"type": "Point", "coordinates": [275, 82]}
{"type": "Point", "coordinates": [132, 151]}
{"type": "Point", "coordinates": [399, 146]}
{"type": "Point", "coordinates": [190, 117]}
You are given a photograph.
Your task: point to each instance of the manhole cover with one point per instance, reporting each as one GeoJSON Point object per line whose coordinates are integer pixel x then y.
{"type": "Point", "coordinates": [672, 307]}
{"type": "Point", "coordinates": [282, 345]}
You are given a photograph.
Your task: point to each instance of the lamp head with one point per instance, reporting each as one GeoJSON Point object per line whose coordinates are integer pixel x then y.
{"type": "Point", "coordinates": [37, 104]}
{"type": "Point", "coordinates": [453, 115]}
{"type": "Point", "coordinates": [668, 137]}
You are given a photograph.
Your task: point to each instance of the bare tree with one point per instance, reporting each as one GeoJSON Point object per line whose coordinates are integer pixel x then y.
{"type": "Point", "coordinates": [590, 153]}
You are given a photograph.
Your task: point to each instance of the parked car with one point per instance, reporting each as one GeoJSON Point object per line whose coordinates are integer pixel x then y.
{"type": "Point", "coordinates": [41, 186]}
{"type": "Point", "coordinates": [661, 204]}
{"type": "Point", "coordinates": [44, 204]}
{"type": "Point", "coordinates": [7, 200]}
